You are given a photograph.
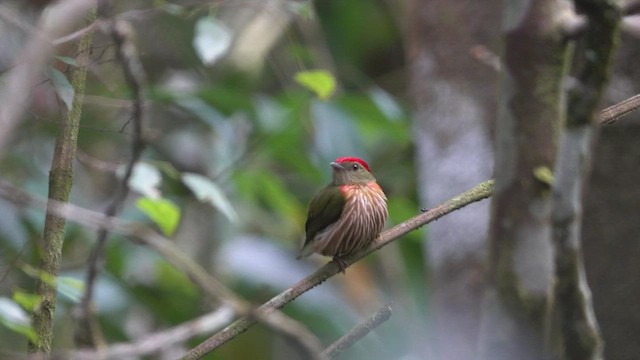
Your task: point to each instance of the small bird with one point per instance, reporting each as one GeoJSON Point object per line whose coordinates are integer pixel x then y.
{"type": "Point", "coordinates": [346, 215]}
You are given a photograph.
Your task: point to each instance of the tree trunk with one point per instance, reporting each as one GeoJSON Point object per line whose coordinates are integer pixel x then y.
{"type": "Point", "coordinates": [521, 263]}
{"type": "Point", "coordinates": [60, 183]}
{"type": "Point", "coordinates": [576, 332]}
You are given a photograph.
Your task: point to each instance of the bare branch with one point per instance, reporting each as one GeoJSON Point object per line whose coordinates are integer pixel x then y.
{"type": "Point", "coordinates": [121, 32]}
{"type": "Point", "coordinates": [479, 192]}
{"type": "Point", "coordinates": [614, 112]}
{"type": "Point", "coordinates": [307, 342]}
{"type": "Point", "coordinates": [74, 35]}
{"type": "Point", "coordinates": [358, 332]}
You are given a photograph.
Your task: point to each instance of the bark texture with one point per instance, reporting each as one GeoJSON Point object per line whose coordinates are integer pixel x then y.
{"type": "Point", "coordinates": [576, 331]}
{"type": "Point", "coordinates": [60, 183]}
{"type": "Point", "coordinates": [521, 263]}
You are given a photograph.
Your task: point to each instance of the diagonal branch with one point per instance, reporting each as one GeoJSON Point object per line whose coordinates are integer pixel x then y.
{"type": "Point", "coordinates": [614, 112]}
{"type": "Point", "coordinates": [358, 332]}
{"type": "Point", "coordinates": [479, 192]}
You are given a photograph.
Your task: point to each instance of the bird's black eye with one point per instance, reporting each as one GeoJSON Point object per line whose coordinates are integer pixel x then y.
{"type": "Point", "coordinates": [355, 166]}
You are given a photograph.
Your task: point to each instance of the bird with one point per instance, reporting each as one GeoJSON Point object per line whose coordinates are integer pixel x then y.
{"type": "Point", "coordinates": [347, 214]}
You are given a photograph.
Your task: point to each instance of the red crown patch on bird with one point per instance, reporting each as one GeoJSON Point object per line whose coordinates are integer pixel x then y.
{"type": "Point", "coordinates": [353, 159]}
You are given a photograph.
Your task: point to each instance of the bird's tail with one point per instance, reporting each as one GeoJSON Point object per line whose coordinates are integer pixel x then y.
{"type": "Point", "coordinates": [307, 250]}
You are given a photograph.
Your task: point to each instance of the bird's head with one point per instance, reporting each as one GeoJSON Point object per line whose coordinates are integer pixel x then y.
{"type": "Point", "coordinates": [351, 170]}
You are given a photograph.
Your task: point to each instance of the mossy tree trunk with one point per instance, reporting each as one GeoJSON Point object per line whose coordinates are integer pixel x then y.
{"type": "Point", "coordinates": [521, 263]}
{"type": "Point", "coordinates": [60, 183]}
{"type": "Point", "coordinates": [576, 334]}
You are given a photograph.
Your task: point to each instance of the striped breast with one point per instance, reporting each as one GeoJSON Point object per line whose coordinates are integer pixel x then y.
{"type": "Point", "coordinates": [361, 221]}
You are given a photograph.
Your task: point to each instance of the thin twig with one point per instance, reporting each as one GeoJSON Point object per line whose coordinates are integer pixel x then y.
{"type": "Point", "coordinates": [121, 33]}
{"type": "Point", "coordinates": [74, 35]}
{"type": "Point", "coordinates": [96, 164]}
{"type": "Point", "coordinates": [479, 192]}
{"type": "Point", "coordinates": [358, 332]}
{"type": "Point", "coordinates": [614, 112]}
{"type": "Point", "coordinates": [308, 344]}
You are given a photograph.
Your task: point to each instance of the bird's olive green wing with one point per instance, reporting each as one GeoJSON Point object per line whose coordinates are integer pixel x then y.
{"type": "Point", "coordinates": [325, 208]}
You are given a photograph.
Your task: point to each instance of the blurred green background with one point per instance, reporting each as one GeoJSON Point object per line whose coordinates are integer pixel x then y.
{"type": "Point", "coordinates": [262, 138]}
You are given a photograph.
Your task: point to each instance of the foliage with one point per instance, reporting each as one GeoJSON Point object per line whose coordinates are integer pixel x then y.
{"type": "Point", "coordinates": [321, 82]}
{"type": "Point", "coordinates": [162, 211]}
{"type": "Point", "coordinates": [239, 153]}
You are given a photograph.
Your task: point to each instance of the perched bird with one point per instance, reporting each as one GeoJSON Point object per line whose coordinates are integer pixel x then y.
{"type": "Point", "coordinates": [347, 214]}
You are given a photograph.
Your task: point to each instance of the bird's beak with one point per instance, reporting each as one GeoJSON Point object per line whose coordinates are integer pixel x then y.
{"type": "Point", "coordinates": [336, 166]}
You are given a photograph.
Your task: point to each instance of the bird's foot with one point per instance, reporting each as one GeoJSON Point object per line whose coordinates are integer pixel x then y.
{"type": "Point", "coordinates": [342, 265]}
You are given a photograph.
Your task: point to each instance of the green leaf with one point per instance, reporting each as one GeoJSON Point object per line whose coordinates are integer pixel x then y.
{"type": "Point", "coordinates": [162, 211]}
{"type": "Point", "coordinates": [16, 319]}
{"type": "Point", "coordinates": [209, 192]}
{"type": "Point", "coordinates": [38, 274]}
{"type": "Point", "coordinates": [212, 39]}
{"type": "Point", "coordinates": [320, 82]}
{"type": "Point", "coordinates": [544, 175]}
{"type": "Point", "coordinates": [29, 302]}
{"type": "Point", "coordinates": [62, 86]}
{"type": "Point", "coordinates": [71, 288]}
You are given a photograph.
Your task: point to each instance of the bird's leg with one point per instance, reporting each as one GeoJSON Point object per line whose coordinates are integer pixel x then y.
{"type": "Point", "coordinates": [342, 265]}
